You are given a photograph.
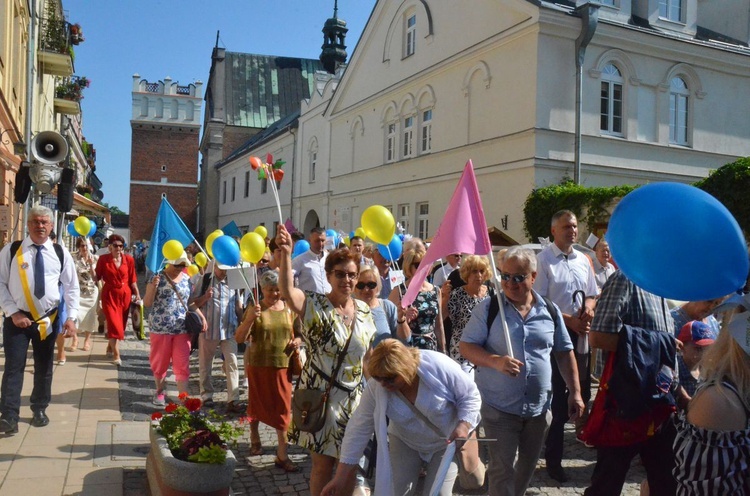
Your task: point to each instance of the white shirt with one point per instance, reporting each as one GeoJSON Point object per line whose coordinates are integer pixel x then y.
{"type": "Point", "coordinates": [558, 277]}
{"type": "Point", "coordinates": [12, 297]}
{"type": "Point", "coordinates": [441, 275]}
{"type": "Point", "coordinates": [310, 272]}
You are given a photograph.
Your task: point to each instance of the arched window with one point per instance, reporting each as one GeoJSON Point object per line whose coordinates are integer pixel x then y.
{"type": "Point", "coordinates": [410, 34]}
{"type": "Point", "coordinates": [610, 119]}
{"type": "Point", "coordinates": [678, 111]}
{"type": "Point", "coordinates": [313, 160]}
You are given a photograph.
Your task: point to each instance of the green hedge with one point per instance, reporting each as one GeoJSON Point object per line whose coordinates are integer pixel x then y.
{"type": "Point", "coordinates": [730, 184]}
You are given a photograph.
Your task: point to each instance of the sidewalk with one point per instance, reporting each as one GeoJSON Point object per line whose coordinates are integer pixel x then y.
{"type": "Point", "coordinates": [97, 439]}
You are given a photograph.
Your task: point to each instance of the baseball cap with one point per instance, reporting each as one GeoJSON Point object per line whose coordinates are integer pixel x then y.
{"type": "Point", "coordinates": [697, 332]}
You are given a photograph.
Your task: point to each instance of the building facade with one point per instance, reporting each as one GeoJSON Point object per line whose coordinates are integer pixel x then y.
{"type": "Point", "coordinates": [165, 128]}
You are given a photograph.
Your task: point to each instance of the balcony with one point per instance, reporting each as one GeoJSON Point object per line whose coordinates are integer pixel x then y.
{"type": "Point", "coordinates": [68, 107]}
{"type": "Point", "coordinates": [55, 47]}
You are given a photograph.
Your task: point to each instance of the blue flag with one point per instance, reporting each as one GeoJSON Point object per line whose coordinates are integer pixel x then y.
{"type": "Point", "coordinates": [231, 229]}
{"type": "Point", "coordinates": [168, 226]}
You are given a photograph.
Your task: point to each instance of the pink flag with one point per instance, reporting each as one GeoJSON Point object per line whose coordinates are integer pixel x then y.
{"type": "Point", "coordinates": [463, 230]}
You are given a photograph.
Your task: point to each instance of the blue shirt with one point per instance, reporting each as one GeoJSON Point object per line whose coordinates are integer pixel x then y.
{"type": "Point", "coordinates": [385, 316]}
{"type": "Point", "coordinates": [532, 339]}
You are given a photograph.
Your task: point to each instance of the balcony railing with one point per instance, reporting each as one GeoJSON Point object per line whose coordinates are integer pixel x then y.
{"type": "Point", "coordinates": [55, 50]}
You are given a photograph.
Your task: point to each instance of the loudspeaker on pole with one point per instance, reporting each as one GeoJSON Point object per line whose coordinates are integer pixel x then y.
{"type": "Point", "coordinates": [65, 190]}
{"type": "Point", "coordinates": [49, 147]}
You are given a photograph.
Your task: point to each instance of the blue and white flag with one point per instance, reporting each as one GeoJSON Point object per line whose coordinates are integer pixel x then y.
{"type": "Point", "coordinates": [168, 226]}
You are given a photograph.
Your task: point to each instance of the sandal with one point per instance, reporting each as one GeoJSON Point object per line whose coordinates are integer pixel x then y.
{"type": "Point", "coordinates": [256, 449]}
{"type": "Point", "coordinates": [286, 465]}
{"type": "Point", "coordinates": [86, 347]}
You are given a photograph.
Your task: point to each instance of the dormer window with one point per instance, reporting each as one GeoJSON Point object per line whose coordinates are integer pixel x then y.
{"type": "Point", "coordinates": [670, 10]}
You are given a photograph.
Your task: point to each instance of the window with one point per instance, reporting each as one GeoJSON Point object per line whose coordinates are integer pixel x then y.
{"type": "Point", "coordinates": [263, 186]}
{"type": "Point", "coordinates": [611, 3]}
{"type": "Point", "coordinates": [164, 168]}
{"type": "Point", "coordinates": [426, 138]}
{"type": "Point", "coordinates": [313, 164]}
{"type": "Point", "coordinates": [611, 100]}
{"type": "Point", "coordinates": [410, 37]}
{"type": "Point", "coordinates": [247, 184]}
{"type": "Point", "coordinates": [403, 216]}
{"type": "Point", "coordinates": [670, 10]}
{"type": "Point", "coordinates": [408, 136]}
{"type": "Point", "coordinates": [234, 184]}
{"type": "Point", "coordinates": [390, 143]}
{"type": "Point", "coordinates": [275, 227]}
{"type": "Point", "coordinates": [678, 111]}
{"type": "Point", "coordinates": [423, 221]}
{"type": "Point", "coordinates": [224, 192]}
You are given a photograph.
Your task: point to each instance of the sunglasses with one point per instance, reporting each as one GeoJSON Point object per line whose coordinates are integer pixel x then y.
{"type": "Point", "coordinates": [516, 278]}
{"type": "Point", "coordinates": [368, 285]}
{"type": "Point", "coordinates": [116, 245]}
{"type": "Point", "coordinates": [340, 274]}
{"type": "Point", "coordinates": [386, 380]}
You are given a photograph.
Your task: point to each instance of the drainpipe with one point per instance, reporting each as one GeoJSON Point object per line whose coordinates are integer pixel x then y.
{"type": "Point", "coordinates": [589, 13]}
{"type": "Point", "coordinates": [30, 76]}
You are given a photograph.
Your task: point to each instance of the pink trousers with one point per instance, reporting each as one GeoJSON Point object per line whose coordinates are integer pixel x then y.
{"type": "Point", "coordinates": [166, 348]}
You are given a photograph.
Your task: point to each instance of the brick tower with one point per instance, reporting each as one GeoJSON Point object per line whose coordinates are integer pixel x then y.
{"type": "Point", "coordinates": [164, 152]}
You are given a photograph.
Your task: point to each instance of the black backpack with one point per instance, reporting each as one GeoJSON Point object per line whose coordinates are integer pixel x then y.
{"type": "Point", "coordinates": [58, 249]}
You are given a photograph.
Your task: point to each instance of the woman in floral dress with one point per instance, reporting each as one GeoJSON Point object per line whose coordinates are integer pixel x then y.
{"type": "Point", "coordinates": [420, 324]}
{"type": "Point", "coordinates": [328, 321]}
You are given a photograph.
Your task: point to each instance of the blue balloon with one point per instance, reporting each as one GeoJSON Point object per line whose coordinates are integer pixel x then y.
{"type": "Point", "coordinates": [394, 247]}
{"type": "Point", "coordinates": [226, 250]}
{"type": "Point", "coordinates": [93, 229]}
{"type": "Point", "coordinates": [331, 233]}
{"type": "Point", "coordinates": [72, 230]}
{"type": "Point", "coordinates": [678, 242]}
{"type": "Point", "coordinates": [401, 237]}
{"type": "Point", "coordinates": [352, 234]}
{"type": "Point", "coordinates": [300, 247]}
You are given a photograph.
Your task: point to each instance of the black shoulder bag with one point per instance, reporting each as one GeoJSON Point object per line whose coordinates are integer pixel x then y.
{"type": "Point", "coordinates": [193, 322]}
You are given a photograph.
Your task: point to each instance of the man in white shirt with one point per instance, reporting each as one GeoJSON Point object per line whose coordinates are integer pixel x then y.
{"type": "Point", "coordinates": [357, 245]}
{"type": "Point", "coordinates": [309, 267]}
{"type": "Point", "coordinates": [442, 273]}
{"type": "Point", "coordinates": [34, 278]}
{"type": "Point", "coordinates": [563, 272]}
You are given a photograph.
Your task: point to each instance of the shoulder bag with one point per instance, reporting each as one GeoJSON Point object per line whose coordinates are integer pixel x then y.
{"type": "Point", "coordinates": [193, 322]}
{"type": "Point", "coordinates": [294, 369]}
{"type": "Point", "coordinates": [310, 406]}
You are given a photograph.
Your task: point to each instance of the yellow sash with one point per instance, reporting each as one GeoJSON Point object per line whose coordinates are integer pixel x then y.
{"type": "Point", "coordinates": [45, 322]}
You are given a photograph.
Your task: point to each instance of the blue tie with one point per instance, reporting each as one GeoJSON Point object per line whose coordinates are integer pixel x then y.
{"type": "Point", "coordinates": [39, 273]}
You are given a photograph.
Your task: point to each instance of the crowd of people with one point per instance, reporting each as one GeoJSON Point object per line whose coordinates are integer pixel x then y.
{"type": "Point", "coordinates": [410, 386]}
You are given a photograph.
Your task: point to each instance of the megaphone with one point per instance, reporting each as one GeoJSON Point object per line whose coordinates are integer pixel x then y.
{"type": "Point", "coordinates": [49, 147]}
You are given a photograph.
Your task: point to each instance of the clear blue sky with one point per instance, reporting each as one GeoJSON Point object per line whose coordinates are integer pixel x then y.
{"type": "Point", "coordinates": [160, 38]}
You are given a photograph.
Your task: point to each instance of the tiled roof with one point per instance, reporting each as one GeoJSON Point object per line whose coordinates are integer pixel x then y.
{"type": "Point", "coordinates": [270, 132]}
{"type": "Point", "coordinates": [262, 89]}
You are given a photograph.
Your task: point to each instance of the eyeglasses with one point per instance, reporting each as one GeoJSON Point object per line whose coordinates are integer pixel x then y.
{"type": "Point", "coordinates": [516, 278]}
{"type": "Point", "coordinates": [116, 245]}
{"type": "Point", "coordinates": [368, 285]}
{"type": "Point", "coordinates": [263, 261]}
{"type": "Point", "coordinates": [386, 380]}
{"type": "Point", "coordinates": [340, 274]}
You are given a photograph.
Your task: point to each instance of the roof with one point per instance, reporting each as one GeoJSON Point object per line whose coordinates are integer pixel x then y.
{"type": "Point", "coordinates": [261, 89]}
{"type": "Point", "coordinates": [267, 134]}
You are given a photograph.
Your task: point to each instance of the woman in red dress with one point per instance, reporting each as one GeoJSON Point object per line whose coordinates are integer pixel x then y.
{"type": "Point", "coordinates": [116, 270]}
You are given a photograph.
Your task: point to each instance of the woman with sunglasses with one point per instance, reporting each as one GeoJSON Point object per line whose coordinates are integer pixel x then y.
{"type": "Point", "coordinates": [116, 270]}
{"type": "Point", "coordinates": [384, 312]}
{"type": "Point", "coordinates": [428, 400]}
{"type": "Point", "coordinates": [420, 324]}
{"type": "Point", "coordinates": [329, 322]}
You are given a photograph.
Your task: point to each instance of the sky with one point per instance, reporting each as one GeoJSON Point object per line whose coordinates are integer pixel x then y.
{"type": "Point", "coordinates": [161, 38]}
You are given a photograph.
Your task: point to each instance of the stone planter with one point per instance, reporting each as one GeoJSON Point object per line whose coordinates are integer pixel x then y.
{"type": "Point", "coordinates": [169, 476]}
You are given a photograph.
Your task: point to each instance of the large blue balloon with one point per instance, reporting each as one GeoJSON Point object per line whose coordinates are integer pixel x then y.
{"type": "Point", "coordinates": [678, 242]}
{"type": "Point", "coordinates": [331, 233]}
{"type": "Point", "coordinates": [395, 247]}
{"type": "Point", "coordinates": [92, 231]}
{"type": "Point", "coordinates": [226, 250]}
{"type": "Point", "coordinates": [300, 247]}
{"type": "Point", "coordinates": [72, 230]}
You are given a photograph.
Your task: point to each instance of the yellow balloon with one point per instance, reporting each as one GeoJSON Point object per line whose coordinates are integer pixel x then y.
{"type": "Point", "coordinates": [262, 231]}
{"type": "Point", "coordinates": [192, 270]}
{"type": "Point", "coordinates": [359, 232]}
{"type": "Point", "coordinates": [378, 224]}
{"type": "Point", "coordinates": [201, 259]}
{"type": "Point", "coordinates": [82, 225]}
{"type": "Point", "coordinates": [172, 249]}
{"type": "Point", "coordinates": [252, 247]}
{"type": "Point", "coordinates": [210, 241]}
{"type": "Point", "coordinates": [347, 241]}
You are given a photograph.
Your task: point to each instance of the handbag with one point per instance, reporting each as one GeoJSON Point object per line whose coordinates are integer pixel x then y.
{"type": "Point", "coordinates": [136, 319]}
{"type": "Point", "coordinates": [310, 406]}
{"type": "Point", "coordinates": [468, 480]}
{"type": "Point", "coordinates": [294, 369]}
{"type": "Point", "coordinates": [193, 321]}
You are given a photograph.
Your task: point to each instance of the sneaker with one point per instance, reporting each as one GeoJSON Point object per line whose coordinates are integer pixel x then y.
{"type": "Point", "coordinates": [160, 399]}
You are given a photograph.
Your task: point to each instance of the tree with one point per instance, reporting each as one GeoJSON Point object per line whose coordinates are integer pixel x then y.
{"type": "Point", "coordinates": [730, 184]}
{"type": "Point", "coordinates": [113, 209]}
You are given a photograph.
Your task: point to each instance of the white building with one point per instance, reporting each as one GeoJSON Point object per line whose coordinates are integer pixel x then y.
{"type": "Point", "coordinates": [433, 84]}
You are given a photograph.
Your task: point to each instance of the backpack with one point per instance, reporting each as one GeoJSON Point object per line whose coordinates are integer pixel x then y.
{"type": "Point", "coordinates": [205, 282]}
{"type": "Point", "coordinates": [58, 249]}
{"type": "Point", "coordinates": [495, 309]}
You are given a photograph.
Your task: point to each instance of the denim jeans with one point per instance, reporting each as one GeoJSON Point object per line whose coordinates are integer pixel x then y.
{"type": "Point", "coordinates": [16, 344]}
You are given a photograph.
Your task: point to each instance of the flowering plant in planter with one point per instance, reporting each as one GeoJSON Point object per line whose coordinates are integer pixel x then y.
{"type": "Point", "coordinates": [193, 435]}
{"type": "Point", "coordinates": [72, 89]}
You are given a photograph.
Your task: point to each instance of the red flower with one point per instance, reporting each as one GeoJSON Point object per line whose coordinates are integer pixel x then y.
{"type": "Point", "coordinates": [170, 407]}
{"type": "Point", "coordinates": [156, 416]}
{"type": "Point", "coordinates": [192, 404]}
{"type": "Point", "coordinates": [183, 396]}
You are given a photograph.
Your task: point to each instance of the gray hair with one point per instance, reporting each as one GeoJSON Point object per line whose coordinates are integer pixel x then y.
{"type": "Point", "coordinates": [522, 255]}
{"type": "Point", "coordinates": [269, 278]}
{"type": "Point", "coordinates": [560, 214]}
{"type": "Point", "coordinates": [40, 211]}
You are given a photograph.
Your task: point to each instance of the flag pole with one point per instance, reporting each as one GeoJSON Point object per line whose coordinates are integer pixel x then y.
{"type": "Point", "coordinates": [498, 295]}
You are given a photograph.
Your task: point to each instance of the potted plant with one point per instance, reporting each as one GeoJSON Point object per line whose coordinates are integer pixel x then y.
{"type": "Point", "coordinates": [76, 34]}
{"type": "Point", "coordinates": [189, 452]}
{"type": "Point", "coordinates": [72, 88]}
